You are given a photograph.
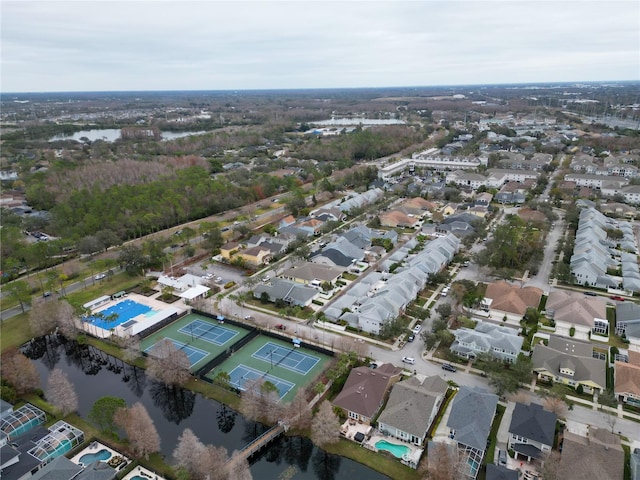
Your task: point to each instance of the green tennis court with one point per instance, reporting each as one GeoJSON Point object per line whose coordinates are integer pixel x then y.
{"type": "Point", "coordinates": [201, 338]}
{"type": "Point", "coordinates": [274, 360]}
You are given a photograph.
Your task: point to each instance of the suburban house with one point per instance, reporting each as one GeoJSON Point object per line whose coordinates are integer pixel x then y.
{"type": "Point", "coordinates": [505, 300]}
{"type": "Point", "coordinates": [397, 218]}
{"type": "Point", "coordinates": [61, 468]}
{"type": "Point", "coordinates": [571, 363]}
{"type": "Point", "coordinates": [412, 407]}
{"type": "Point", "coordinates": [470, 419]}
{"type": "Point", "coordinates": [501, 342]}
{"type": "Point", "coordinates": [228, 249]}
{"type": "Point", "coordinates": [531, 432]}
{"type": "Point", "coordinates": [254, 256]}
{"type": "Point", "coordinates": [585, 314]}
{"type": "Point", "coordinates": [627, 380]}
{"type": "Point", "coordinates": [628, 321]}
{"type": "Point", "coordinates": [289, 292]}
{"type": "Point", "coordinates": [312, 274]}
{"type": "Point", "coordinates": [417, 206]}
{"type": "Point", "coordinates": [599, 455]}
{"type": "Point", "coordinates": [340, 253]}
{"type": "Point", "coordinates": [497, 472]}
{"type": "Point", "coordinates": [365, 391]}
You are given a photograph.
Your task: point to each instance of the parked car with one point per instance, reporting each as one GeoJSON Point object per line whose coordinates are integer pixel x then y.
{"type": "Point", "coordinates": [502, 458]}
{"type": "Point", "coordinates": [591, 294]}
{"type": "Point", "coordinates": [409, 360]}
{"type": "Point", "coordinates": [248, 317]}
{"type": "Point", "coordinates": [417, 328]}
{"type": "Point", "coordinates": [100, 276]}
{"type": "Point", "coordinates": [373, 365]}
{"type": "Point", "coordinates": [448, 367]}
{"type": "Point", "coordinates": [281, 327]}
{"type": "Point", "coordinates": [411, 338]}
{"type": "Point", "coordinates": [617, 297]}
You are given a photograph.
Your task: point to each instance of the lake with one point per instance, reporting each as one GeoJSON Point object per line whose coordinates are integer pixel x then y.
{"type": "Point", "coordinates": [113, 134]}
{"type": "Point", "coordinates": [96, 374]}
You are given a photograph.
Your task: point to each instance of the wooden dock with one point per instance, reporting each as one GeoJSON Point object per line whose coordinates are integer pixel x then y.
{"type": "Point", "coordinates": [260, 442]}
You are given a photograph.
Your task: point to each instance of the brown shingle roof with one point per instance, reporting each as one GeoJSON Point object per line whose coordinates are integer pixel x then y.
{"type": "Point", "coordinates": [511, 298]}
{"type": "Point", "coordinates": [594, 457]}
{"type": "Point", "coordinates": [627, 378]}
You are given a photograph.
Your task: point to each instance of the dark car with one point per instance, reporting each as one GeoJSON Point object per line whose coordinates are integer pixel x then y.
{"type": "Point", "coordinates": [591, 294]}
{"type": "Point", "coordinates": [281, 327]}
{"type": "Point", "coordinates": [448, 367]}
{"type": "Point", "coordinates": [411, 338]}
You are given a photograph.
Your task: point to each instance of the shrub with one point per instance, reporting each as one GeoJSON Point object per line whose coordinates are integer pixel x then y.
{"type": "Point", "coordinates": [229, 284]}
{"type": "Point", "coordinates": [572, 331]}
{"type": "Point", "coordinates": [580, 389]}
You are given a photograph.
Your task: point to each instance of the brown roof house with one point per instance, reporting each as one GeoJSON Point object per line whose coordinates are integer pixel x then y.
{"type": "Point", "coordinates": [569, 362]}
{"type": "Point", "coordinates": [365, 391]}
{"type": "Point", "coordinates": [627, 380]}
{"type": "Point", "coordinates": [396, 218]}
{"type": "Point", "coordinates": [598, 456]}
{"type": "Point", "coordinates": [503, 299]}
{"type": "Point", "coordinates": [587, 315]}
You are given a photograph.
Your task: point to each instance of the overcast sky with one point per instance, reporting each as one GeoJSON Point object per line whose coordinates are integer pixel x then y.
{"type": "Point", "coordinates": [215, 45]}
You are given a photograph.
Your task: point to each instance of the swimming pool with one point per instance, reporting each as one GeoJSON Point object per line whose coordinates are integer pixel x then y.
{"type": "Point", "coordinates": [118, 314]}
{"type": "Point", "coordinates": [101, 455]}
{"type": "Point", "coordinates": [396, 450]}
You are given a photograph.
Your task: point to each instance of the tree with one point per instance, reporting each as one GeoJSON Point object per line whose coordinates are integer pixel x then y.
{"type": "Point", "coordinates": [42, 316]}
{"type": "Point", "coordinates": [132, 259]}
{"type": "Point", "coordinates": [325, 426]}
{"type": "Point", "coordinates": [90, 245]}
{"type": "Point", "coordinates": [141, 432]}
{"type": "Point", "coordinates": [168, 365]}
{"type": "Point", "coordinates": [67, 320]}
{"type": "Point", "coordinates": [19, 371]}
{"type": "Point", "coordinates": [107, 238]}
{"type": "Point", "coordinates": [259, 401]}
{"type": "Point", "coordinates": [297, 413]}
{"type": "Point", "coordinates": [188, 452]}
{"type": "Point", "coordinates": [238, 467]}
{"type": "Point", "coordinates": [61, 393]}
{"type": "Point", "coordinates": [20, 291]}
{"type": "Point", "coordinates": [444, 309]}
{"type": "Point", "coordinates": [551, 466]}
{"type": "Point", "coordinates": [103, 411]}
{"type": "Point", "coordinates": [212, 464]}
{"type": "Point", "coordinates": [443, 464]}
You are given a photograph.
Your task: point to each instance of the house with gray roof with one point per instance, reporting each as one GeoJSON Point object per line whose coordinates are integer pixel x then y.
{"type": "Point", "coordinates": [531, 432]}
{"type": "Point", "coordinates": [628, 321]}
{"type": "Point", "coordinates": [569, 362]}
{"type": "Point", "coordinates": [412, 407]}
{"type": "Point", "coordinates": [470, 419]}
{"type": "Point", "coordinates": [502, 342]}
{"type": "Point", "coordinates": [289, 292]}
{"type": "Point", "coordinates": [497, 472]}
{"type": "Point", "coordinates": [312, 273]}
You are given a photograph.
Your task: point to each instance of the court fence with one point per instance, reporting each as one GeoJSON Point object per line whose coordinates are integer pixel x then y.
{"type": "Point", "coordinates": [160, 325]}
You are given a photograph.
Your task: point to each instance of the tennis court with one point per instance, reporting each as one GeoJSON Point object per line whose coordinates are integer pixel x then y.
{"type": "Point", "coordinates": [242, 374]}
{"type": "Point", "coordinates": [289, 358]}
{"type": "Point", "coordinates": [209, 333]}
{"type": "Point", "coordinates": [194, 354]}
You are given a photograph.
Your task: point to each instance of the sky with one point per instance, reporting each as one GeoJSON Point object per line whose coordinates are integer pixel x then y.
{"type": "Point", "coordinates": [59, 46]}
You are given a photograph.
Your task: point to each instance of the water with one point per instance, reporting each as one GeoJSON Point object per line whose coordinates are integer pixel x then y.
{"type": "Point", "coordinates": [113, 134]}
{"type": "Point", "coordinates": [96, 374]}
{"type": "Point", "coordinates": [89, 458]}
{"type": "Point", "coordinates": [395, 449]}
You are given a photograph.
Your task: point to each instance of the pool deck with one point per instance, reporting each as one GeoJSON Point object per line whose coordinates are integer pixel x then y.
{"type": "Point", "coordinates": [96, 447]}
{"type": "Point", "coordinates": [142, 472]}
{"type": "Point", "coordinates": [412, 458]}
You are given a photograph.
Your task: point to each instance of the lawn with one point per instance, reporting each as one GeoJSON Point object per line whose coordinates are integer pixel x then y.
{"type": "Point", "coordinates": [494, 434]}
{"type": "Point", "coordinates": [14, 331]}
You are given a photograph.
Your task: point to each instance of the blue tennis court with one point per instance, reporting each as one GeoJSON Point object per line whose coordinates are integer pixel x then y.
{"type": "Point", "coordinates": [242, 374]}
{"type": "Point", "coordinates": [194, 354]}
{"type": "Point", "coordinates": [208, 332]}
{"type": "Point", "coordinates": [118, 314]}
{"type": "Point", "coordinates": [291, 359]}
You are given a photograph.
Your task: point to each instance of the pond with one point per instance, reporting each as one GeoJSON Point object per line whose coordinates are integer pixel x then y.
{"type": "Point", "coordinates": [113, 134]}
{"type": "Point", "coordinates": [96, 374]}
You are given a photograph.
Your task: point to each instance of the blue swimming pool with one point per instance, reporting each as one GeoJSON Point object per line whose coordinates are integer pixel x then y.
{"type": "Point", "coordinates": [118, 314]}
{"type": "Point", "coordinates": [100, 455]}
{"type": "Point", "coordinates": [395, 449]}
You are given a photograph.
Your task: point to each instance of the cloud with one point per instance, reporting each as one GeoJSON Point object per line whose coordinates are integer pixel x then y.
{"type": "Point", "coordinates": [148, 45]}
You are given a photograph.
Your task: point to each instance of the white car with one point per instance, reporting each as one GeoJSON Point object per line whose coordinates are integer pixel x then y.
{"type": "Point", "coordinates": [409, 360]}
{"type": "Point", "coordinates": [100, 276]}
{"type": "Point", "coordinates": [417, 328]}
{"type": "Point", "coordinates": [208, 276]}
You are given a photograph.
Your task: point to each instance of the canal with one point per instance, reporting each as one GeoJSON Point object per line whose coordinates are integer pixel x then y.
{"type": "Point", "coordinates": [96, 374]}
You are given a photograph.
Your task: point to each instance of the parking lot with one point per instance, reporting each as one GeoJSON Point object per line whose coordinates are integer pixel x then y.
{"type": "Point", "coordinates": [225, 273]}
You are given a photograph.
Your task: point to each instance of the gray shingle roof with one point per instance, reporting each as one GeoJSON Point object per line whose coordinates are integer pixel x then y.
{"type": "Point", "coordinates": [471, 416]}
{"type": "Point", "coordinates": [534, 423]}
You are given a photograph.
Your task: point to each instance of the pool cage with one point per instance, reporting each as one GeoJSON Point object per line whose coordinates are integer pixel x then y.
{"type": "Point", "coordinates": [22, 420]}
{"type": "Point", "coordinates": [61, 438]}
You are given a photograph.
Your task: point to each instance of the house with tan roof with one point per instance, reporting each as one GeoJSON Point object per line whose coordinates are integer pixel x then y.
{"type": "Point", "coordinates": [584, 313]}
{"type": "Point", "coordinates": [627, 380]}
{"type": "Point", "coordinates": [571, 363]}
{"type": "Point", "coordinates": [598, 456]}
{"type": "Point", "coordinates": [503, 299]}
{"type": "Point", "coordinates": [412, 407]}
{"type": "Point", "coordinates": [365, 391]}
{"type": "Point", "coordinates": [254, 256]}
{"type": "Point", "coordinates": [417, 206]}
{"type": "Point", "coordinates": [397, 218]}
{"type": "Point", "coordinates": [312, 273]}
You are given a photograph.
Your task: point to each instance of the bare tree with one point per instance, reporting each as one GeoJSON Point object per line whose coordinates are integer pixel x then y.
{"type": "Point", "coordinates": [130, 345]}
{"type": "Point", "coordinates": [188, 452]}
{"type": "Point", "coordinates": [142, 433]}
{"type": "Point", "coordinates": [551, 466]}
{"type": "Point", "coordinates": [297, 413]}
{"type": "Point", "coordinates": [260, 401]}
{"type": "Point", "coordinates": [238, 467]}
{"type": "Point", "coordinates": [211, 465]}
{"type": "Point", "coordinates": [325, 426]}
{"type": "Point", "coordinates": [611, 420]}
{"type": "Point", "coordinates": [443, 464]}
{"type": "Point", "coordinates": [19, 371]}
{"type": "Point", "coordinates": [61, 393]}
{"type": "Point", "coordinates": [169, 365]}
{"type": "Point", "coordinates": [42, 316]}
{"type": "Point", "coordinates": [68, 322]}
